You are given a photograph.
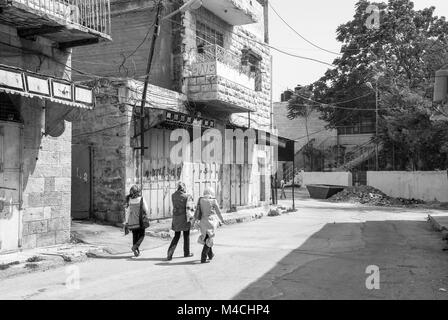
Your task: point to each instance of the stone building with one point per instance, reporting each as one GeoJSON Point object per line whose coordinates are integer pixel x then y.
{"type": "Point", "coordinates": [212, 68]}
{"type": "Point", "coordinates": [37, 103]}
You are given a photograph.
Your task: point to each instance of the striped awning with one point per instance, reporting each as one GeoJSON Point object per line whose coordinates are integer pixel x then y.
{"type": "Point", "coordinates": [33, 85]}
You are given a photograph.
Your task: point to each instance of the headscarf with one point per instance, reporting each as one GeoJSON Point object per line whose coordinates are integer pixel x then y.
{"type": "Point", "coordinates": [134, 193]}
{"type": "Point", "coordinates": [209, 193]}
{"type": "Point", "coordinates": [181, 187]}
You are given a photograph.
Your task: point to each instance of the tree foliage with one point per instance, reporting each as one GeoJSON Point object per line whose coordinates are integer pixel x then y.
{"type": "Point", "coordinates": [401, 56]}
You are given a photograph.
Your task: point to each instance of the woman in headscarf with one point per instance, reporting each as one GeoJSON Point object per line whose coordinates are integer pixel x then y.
{"type": "Point", "coordinates": [208, 213]}
{"type": "Point", "coordinates": [180, 224]}
{"type": "Point", "coordinates": [136, 218]}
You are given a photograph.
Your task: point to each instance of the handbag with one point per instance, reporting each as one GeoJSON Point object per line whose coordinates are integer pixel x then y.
{"type": "Point", "coordinates": [198, 212]}
{"type": "Point", "coordinates": [144, 220]}
{"type": "Point", "coordinates": [190, 209]}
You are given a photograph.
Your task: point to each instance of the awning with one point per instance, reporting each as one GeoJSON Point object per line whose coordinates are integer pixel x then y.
{"type": "Point", "coordinates": [284, 146]}
{"type": "Point", "coordinates": [34, 85]}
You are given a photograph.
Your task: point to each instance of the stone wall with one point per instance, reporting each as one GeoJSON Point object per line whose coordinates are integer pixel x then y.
{"type": "Point", "coordinates": [427, 186]}
{"type": "Point", "coordinates": [235, 40]}
{"type": "Point", "coordinates": [46, 189]}
{"type": "Point", "coordinates": [127, 55]}
{"type": "Point", "coordinates": [107, 129]}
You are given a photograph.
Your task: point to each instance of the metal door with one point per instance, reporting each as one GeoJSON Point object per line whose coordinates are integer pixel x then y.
{"type": "Point", "coordinates": [207, 175]}
{"type": "Point", "coordinates": [81, 181]}
{"type": "Point", "coordinates": [159, 173]}
{"type": "Point", "coordinates": [10, 185]}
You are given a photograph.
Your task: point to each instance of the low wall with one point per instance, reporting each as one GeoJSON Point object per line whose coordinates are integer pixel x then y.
{"type": "Point", "coordinates": [427, 186]}
{"type": "Point", "coordinates": [334, 178]}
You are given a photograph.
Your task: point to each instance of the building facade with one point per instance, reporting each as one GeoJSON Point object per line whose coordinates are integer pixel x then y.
{"type": "Point", "coordinates": [37, 103]}
{"type": "Point", "coordinates": [212, 71]}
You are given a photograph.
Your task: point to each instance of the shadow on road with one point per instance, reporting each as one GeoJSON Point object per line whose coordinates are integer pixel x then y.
{"type": "Point", "coordinates": [332, 264]}
{"type": "Point", "coordinates": [173, 264]}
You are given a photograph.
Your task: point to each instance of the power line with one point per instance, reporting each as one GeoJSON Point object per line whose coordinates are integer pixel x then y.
{"type": "Point", "coordinates": [263, 44]}
{"type": "Point", "coordinates": [301, 36]}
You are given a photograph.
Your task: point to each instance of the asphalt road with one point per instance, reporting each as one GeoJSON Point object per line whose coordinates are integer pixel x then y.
{"type": "Point", "coordinates": [320, 252]}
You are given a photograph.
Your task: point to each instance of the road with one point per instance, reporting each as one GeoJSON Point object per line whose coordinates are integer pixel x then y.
{"type": "Point", "coordinates": [320, 252]}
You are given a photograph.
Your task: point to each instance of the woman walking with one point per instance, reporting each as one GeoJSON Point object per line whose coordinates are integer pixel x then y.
{"type": "Point", "coordinates": [207, 213]}
{"type": "Point", "coordinates": [180, 224]}
{"type": "Point", "coordinates": [136, 218]}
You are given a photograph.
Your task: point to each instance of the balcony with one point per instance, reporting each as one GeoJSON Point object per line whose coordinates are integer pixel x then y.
{"type": "Point", "coordinates": [219, 79]}
{"type": "Point", "coordinates": [69, 23]}
{"type": "Point", "coordinates": [236, 12]}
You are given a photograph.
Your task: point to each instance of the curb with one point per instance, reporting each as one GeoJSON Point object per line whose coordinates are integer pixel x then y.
{"type": "Point", "coordinates": [40, 262]}
{"type": "Point", "coordinates": [438, 227]}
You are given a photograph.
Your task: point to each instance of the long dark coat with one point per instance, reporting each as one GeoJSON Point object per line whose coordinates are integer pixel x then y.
{"type": "Point", "coordinates": [180, 222]}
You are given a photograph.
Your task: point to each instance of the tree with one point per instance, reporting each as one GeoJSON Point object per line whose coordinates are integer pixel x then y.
{"type": "Point", "coordinates": [401, 56]}
{"type": "Point", "coordinates": [301, 105]}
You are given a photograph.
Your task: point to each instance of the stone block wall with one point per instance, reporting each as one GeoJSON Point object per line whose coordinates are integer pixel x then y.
{"type": "Point", "coordinates": [107, 129]}
{"type": "Point", "coordinates": [235, 40]}
{"type": "Point", "coordinates": [46, 189]}
{"type": "Point", "coordinates": [47, 182]}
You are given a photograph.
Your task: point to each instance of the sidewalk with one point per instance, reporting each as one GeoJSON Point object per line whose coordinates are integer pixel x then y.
{"type": "Point", "coordinates": [41, 259]}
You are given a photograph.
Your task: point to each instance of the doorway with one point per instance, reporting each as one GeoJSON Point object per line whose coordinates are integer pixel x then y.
{"type": "Point", "coordinates": [81, 181]}
{"type": "Point", "coordinates": [10, 184]}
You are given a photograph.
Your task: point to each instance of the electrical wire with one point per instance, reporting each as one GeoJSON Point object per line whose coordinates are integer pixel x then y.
{"type": "Point", "coordinates": [301, 36]}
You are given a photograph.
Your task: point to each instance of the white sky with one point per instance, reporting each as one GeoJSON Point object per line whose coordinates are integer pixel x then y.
{"type": "Point", "coordinates": [317, 21]}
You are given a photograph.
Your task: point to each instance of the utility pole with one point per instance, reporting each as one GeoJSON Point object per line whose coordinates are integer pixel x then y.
{"type": "Point", "coordinates": [145, 88]}
{"type": "Point", "coordinates": [376, 124]}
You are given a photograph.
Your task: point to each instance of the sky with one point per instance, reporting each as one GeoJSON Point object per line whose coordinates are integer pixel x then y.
{"type": "Point", "coordinates": [317, 21]}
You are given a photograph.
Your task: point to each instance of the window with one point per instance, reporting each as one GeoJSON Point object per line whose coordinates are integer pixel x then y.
{"type": "Point", "coordinates": [208, 36]}
{"type": "Point", "coordinates": [251, 61]}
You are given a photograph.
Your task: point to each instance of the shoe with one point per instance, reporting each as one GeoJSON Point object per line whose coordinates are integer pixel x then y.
{"type": "Point", "coordinates": [188, 255]}
{"type": "Point", "coordinates": [210, 257]}
{"type": "Point", "coordinates": [169, 258]}
{"type": "Point", "coordinates": [207, 261]}
{"type": "Point", "coordinates": [135, 250]}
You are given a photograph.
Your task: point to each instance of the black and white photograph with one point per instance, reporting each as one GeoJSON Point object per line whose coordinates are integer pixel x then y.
{"type": "Point", "coordinates": [223, 156]}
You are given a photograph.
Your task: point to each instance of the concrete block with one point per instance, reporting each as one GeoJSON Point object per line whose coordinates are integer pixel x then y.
{"type": "Point", "coordinates": [35, 200]}
{"type": "Point", "coordinates": [33, 214]}
{"type": "Point", "coordinates": [46, 239]}
{"type": "Point", "coordinates": [62, 184]}
{"type": "Point", "coordinates": [62, 236]}
{"type": "Point", "coordinates": [29, 241]}
{"type": "Point", "coordinates": [49, 184]}
{"type": "Point", "coordinates": [37, 227]}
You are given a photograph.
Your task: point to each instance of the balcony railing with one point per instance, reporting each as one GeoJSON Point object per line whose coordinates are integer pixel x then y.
{"type": "Point", "coordinates": [91, 14]}
{"type": "Point", "coordinates": [211, 53]}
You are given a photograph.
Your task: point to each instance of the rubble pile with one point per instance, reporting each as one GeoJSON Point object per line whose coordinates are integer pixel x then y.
{"type": "Point", "coordinates": [371, 196]}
